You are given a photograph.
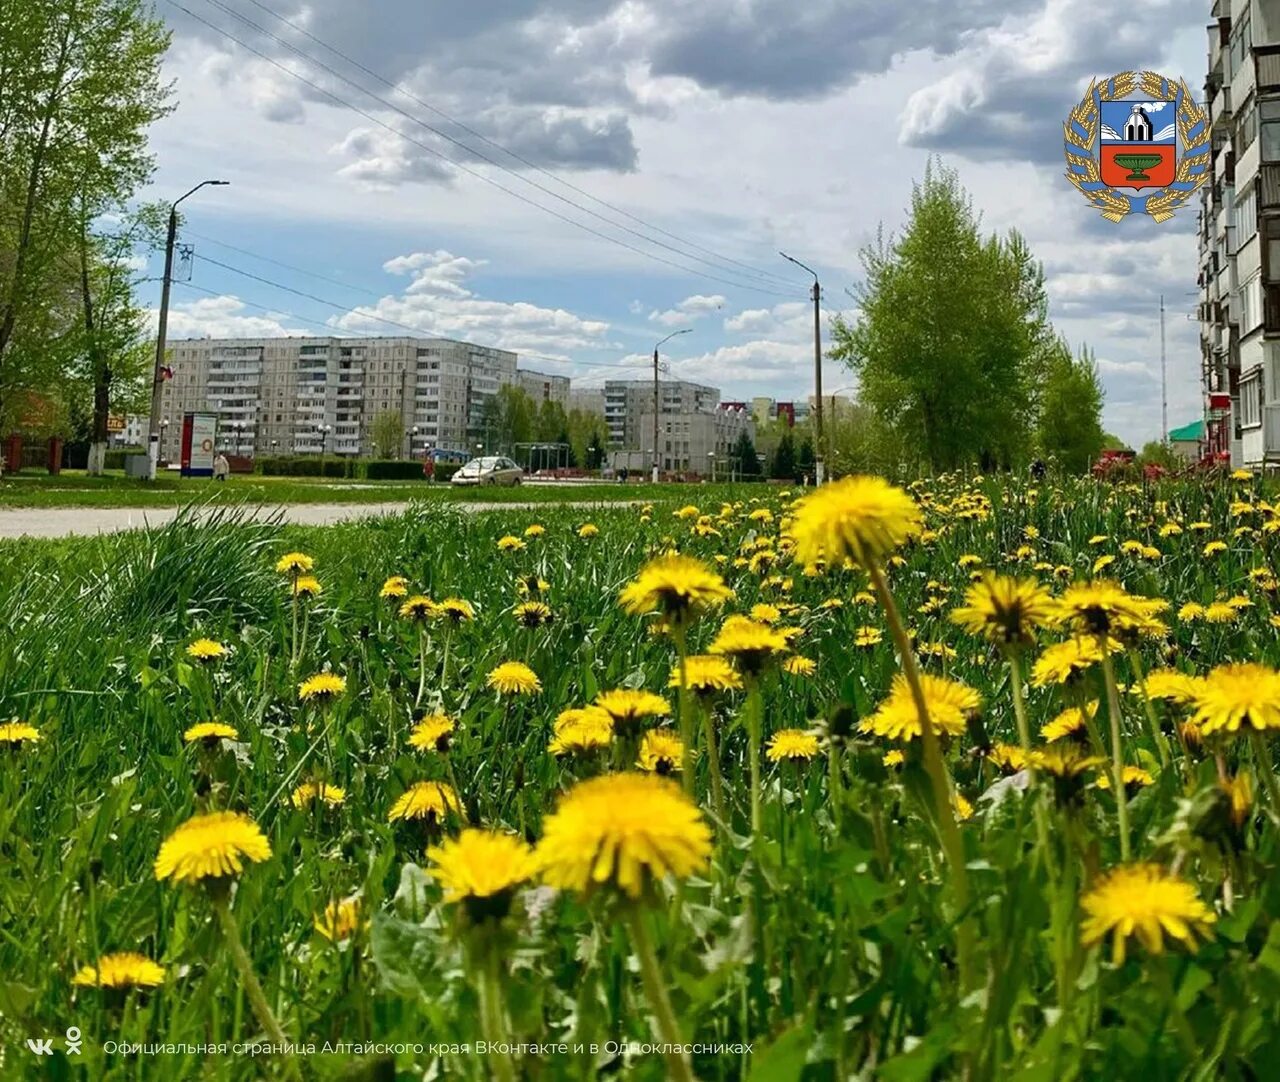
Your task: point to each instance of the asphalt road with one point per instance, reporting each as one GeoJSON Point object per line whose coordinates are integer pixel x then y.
{"type": "Point", "coordinates": [87, 521]}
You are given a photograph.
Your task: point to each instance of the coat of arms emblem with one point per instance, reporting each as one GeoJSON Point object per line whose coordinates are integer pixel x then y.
{"type": "Point", "coordinates": [1137, 141]}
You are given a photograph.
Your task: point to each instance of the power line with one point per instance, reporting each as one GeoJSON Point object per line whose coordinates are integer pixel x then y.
{"type": "Point", "coordinates": [419, 331]}
{"type": "Point", "coordinates": [768, 276]}
{"type": "Point", "coordinates": [440, 154]}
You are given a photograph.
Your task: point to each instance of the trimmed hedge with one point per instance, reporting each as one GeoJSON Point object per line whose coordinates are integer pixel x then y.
{"type": "Point", "coordinates": [446, 470]}
{"type": "Point", "coordinates": [303, 466]}
{"type": "Point", "coordinates": [114, 459]}
{"type": "Point", "coordinates": [392, 469]}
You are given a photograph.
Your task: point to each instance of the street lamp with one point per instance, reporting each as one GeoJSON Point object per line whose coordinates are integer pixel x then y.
{"type": "Point", "coordinates": [413, 440]}
{"type": "Point", "coordinates": [157, 376]}
{"type": "Point", "coordinates": [657, 401]}
{"type": "Point", "coordinates": [711, 457]}
{"type": "Point", "coordinates": [324, 439]}
{"type": "Point", "coordinates": [817, 366]}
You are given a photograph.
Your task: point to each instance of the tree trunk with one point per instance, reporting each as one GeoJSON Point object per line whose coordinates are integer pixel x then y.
{"type": "Point", "coordinates": [101, 373]}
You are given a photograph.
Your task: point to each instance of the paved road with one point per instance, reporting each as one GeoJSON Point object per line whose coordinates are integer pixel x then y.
{"type": "Point", "coordinates": [86, 521]}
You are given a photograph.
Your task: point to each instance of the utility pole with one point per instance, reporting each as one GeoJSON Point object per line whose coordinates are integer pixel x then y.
{"type": "Point", "coordinates": [1164, 383]}
{"type": "Point", "coordinates": [657, 402]}
{"type": "Point", "coordinates": [816, 293]}
{"type": "Point", "coordinates": [157, 376]}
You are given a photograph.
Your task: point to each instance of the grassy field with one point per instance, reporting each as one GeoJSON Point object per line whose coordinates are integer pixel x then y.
{"type": "Point", "coordinates": [863, 899]}
{"type": "Point", "coordinates": [76, 489]}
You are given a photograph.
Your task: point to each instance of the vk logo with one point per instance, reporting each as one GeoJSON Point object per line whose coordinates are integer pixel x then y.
{"type": "Point", "coordinates": [41, 1046]}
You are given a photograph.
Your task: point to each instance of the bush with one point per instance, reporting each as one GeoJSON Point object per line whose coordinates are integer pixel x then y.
{"type": "Point", "coordinates": [391, 469]}
{"type": "Point", "coordinates": [304, 466]}
{"type": "Point", "coordinates": [114, 459]}
{"type": "Point", "coordinates": [445, 470]}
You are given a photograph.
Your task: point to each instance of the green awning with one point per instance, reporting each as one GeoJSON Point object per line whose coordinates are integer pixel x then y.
{"type": "Point", "coordinates": [1187, 433]}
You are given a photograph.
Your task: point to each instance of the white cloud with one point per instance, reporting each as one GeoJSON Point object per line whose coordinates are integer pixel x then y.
{"type": "Point", "coordinates": [223, 317]}
{"type": "Point", "coordinates": [688, 310]}
{"type": "Point", "coordinates": [436, 303]}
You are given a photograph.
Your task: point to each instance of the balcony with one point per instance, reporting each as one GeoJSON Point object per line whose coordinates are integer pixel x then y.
{"type": "Point", "coordinates": [1267, 67]}
{"type": "Point", "coordinates": [1269, 187]}
{"type": "Point", "coordinates": [1220, 107]}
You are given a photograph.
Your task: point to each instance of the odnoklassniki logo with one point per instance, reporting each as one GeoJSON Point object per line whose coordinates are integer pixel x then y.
{"type": "Point", "coordinates": [1137, 142]}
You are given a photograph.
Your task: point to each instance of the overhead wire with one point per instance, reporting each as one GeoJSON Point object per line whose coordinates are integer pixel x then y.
{"type": "Point", "coordinates": [440, 154]}
{"type": "Point", "coordinates": [777, 279]}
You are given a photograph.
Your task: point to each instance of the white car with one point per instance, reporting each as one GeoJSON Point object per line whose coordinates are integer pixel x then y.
{"type": "Point", "coordinates": [492, 470]}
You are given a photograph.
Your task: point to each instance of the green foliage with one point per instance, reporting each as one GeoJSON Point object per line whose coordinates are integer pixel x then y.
{"type": "Point", "coordinates": [304, 466]}
{"type": "Point", "coordinates": [397, 469]}
{"type": "Point", "coordinates": [951, 339]}
{"type": "Point", "coordinates": [386, 434]}
{"type": "Point", "coordinates": [1160, 454]}
{"type": "Point", "coordinates": [743, 458]}
{"type": "Point", "coordinates": [782, 464]}
{"type": "Point", "coordinates": [1071, 410]}
{"type": "Point", "coordinates": [1112, 442]}
{"type": "Point", "coordinates": [79, 86]}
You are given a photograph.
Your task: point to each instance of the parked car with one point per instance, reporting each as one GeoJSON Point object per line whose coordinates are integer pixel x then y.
{"type": "Point", "coordinates": [492, 470]}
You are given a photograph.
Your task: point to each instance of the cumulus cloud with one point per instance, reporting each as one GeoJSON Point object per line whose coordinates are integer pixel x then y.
{"type": "Point", "coordinates": [688, 310]}
{"type": "Point", "coordinates": [437, 303]}
{"type": "Point", "coordinates": [222, 317]}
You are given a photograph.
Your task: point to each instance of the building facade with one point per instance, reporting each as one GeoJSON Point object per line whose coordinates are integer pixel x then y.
{"type": "Point", "coordinates": [1239, 238]}
{"type": "Point", "coordinates": [587, 399]}
{"type": "Point", "coordinates": [321, 395]}
{"type": "Point", "coordinates": [697, 442]}
{"type": "Point", "coordinates": [543, 388]}
{"type": "Point", "coordinates": [626, 402]}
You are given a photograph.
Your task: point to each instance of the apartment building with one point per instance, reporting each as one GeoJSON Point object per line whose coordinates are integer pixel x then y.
{"type": "Point", "coordinates": [1239, 239]}
{"type": "Point", "coordinates": [543, 388]}
{"type": "Point", "coordinates": [587, 399]}
{"type": "Point", "coordinates": [691, 441]}
{"type": "Point", "coordinates": [314, 395]}
{"type": "Point", "coordinates": [627, 400]}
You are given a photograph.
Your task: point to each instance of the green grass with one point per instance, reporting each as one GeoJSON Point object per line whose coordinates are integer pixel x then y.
{"type": "Point", "coordinates": [828, 944]}
{"type": "Point", "coordinates": [76, 489]}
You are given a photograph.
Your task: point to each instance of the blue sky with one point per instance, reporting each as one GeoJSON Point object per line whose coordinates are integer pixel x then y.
{"type": "Point", "coordinates": [734, 126]}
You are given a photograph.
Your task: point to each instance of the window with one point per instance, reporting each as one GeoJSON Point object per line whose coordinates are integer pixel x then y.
{"type": "Point", "coordinates": [1241, 40]}
{"type": "Point", "coordinates": [1251, 396]}
{"type": "Point", "coordinates": [1245, 217]}
{"type": "Point", "coordinates": [1250, 305]}
{"type": "Point", "coordinates": [1270, 125]}
{"type": "Point", "coordinates": [1247, 131]}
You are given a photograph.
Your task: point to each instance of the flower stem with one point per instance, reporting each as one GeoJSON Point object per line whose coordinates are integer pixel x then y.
{"type": "Point", "coordinates": [948, 831]}
{"type": "Point", "coordinates": [1024, 737]}
{"type": "Point", "coordinates": [1162, 745]}
{"type": "Point", "coordinates": [1263, 756]}
{"type": "Point", "coordinates": [655, 990]}
{"type": "Point", "coordinates": [1117, 754]}
{"type": "Point", "coordinates": [754, 706]}
{"type": "Point", "coordinates": [252, 989]}
{"type": "Point", "coordinates": [835, 786]}
{"type": "Point", "coordinates": [682, 705]}
{"type": "Point", "coordinates": [713, 762]}
{"type": "Point", "coordinates": [491, 1012]}
{"type": "Point", "coordinates": [422, 664]}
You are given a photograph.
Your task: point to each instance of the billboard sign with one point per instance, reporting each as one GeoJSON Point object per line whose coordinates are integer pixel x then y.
{"type": "Point", "coordinates": [199, 436]}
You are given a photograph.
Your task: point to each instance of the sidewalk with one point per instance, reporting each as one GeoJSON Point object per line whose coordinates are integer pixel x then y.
{"type": "Point", "coordinates": [87, 521]}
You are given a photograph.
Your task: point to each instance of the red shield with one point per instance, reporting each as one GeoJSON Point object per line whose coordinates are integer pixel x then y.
{"type": "Point", "coordinates": [1138, 165]}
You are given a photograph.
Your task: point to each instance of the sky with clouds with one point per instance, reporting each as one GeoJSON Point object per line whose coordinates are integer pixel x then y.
{"type": "Point", "coordinates": [656, 156]}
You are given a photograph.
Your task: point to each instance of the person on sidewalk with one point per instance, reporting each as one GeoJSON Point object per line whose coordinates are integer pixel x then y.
{"type": "Point", "coordinates": [221, 467]}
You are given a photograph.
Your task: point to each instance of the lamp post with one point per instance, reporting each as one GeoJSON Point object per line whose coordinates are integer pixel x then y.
{"type": "Point", "coordinates": [157, 376]}
{"type": "Point", "coordinates": [711, 457]}
{"type": "Point", "coordinates": [816, 294]}
{"type": "Point", "coordinates": [324, 439]}
{"type": "Point", "coordinates": [657, 400]}
{"type": "Point", "coordinates": [164, 434]}
{"type": "Point", "coordinates": [413, 440]}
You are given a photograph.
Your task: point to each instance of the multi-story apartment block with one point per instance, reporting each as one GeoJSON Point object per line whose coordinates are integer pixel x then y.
{"type": "Point", "coordinates": [313, 395]}
{"type": "Point", "coordinates": [543, 388]}
{"type": "Point", "coordinates": [1240, 235]}
{"type": "Point", "coordinates": [587, 399]}
{"type": "Point", "coordinates": [697, 442]}
{"type": "Point", "coordinates": [626, 401]}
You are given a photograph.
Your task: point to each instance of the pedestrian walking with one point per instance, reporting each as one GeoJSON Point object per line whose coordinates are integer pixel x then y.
{"type": "Point", "coordinates": [221, 467]}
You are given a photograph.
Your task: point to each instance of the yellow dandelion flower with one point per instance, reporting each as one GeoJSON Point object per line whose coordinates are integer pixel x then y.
{"type": "Point", "coordinates": [433, 801]}
{"type": "Point", "coordinates": [418, 608]}
{"type": "Point", "coordinates": [432, 733]}
{"type": "Point", "coordinates": [211, 846]}
{"type": "Point", "coordinates": [765, 614]}
{"type": "Point", "coordinates": [1134, 778]}
{"type": "Point", "coordinates": [707, 674]}
{"type": "Point", "coordinates": [948, 702]}
{"type": "Point", "coordinates": [1146, 901]}
{"type": "Point", "coordinates": [1009, 758]}
{"type": "Point", "coordinates": [1103, 562]}
{"type": "Point", "coordinates": [339, 920]}
{"type": "Point", "coordinates": [322, 688]}
{"type": "Point", "coordinates": [1004, 609]}
{"type": "Point", "coordinates": [514, 678]}
{"type": "Point", "coordinates": [124, 969]}
{"type": "Point", "coordinates": [535, 530]}
{"type": "Point", "coordinates": [1232, 696]}
{"type": "Point", "coordinates": [306, 586]}
{"type": "Point", "coordinates": [629, 707]}
{"type": "Point", "coordinates": [1190, 612]}
{"type": "Point", "coordinates": [857, 518]}
{"type": "Point", "coordinates": [799, 666]}
{"type": "Point", "coordinates": [1171, 685]}
{"type": "Point", "coordinates": [294, 563]}
{"type": "Point", "coordinates": [396, 587]}
{"type": "Point", "coordinates": [1169, 529]}
{"type": "Point", "coordinates": [868, 636]}
{"type": "Point", "coordinates": [750, 645]}
{"type": "Point", "coordinates": [533, 613]}
{"type": "Point", "coordinates": [313, 792]}
{"type": "Point", "coordinates": [1070, 722]}
{"type": "Point", "coordinates": [206, 650]}
{"type": "Point", "coordinates": [963, 809]}
{"type": "Point", "coordinates": [581, 730]}
{"type": "Point", "coordinates": [510, 543]}
{"type": "Point", "coordinates": [209, 731]}
{"type": "Point", "coordinates": [678, 587]}
{"type": "Point", "coordinates": [1213, 548]}
{"type": "Point", "coordinates": [969, 560]}
{"type": "Point", "coordinates": [16, 733]}
{"type": "Point", "coordinates": [661, 752]}
{"type": "Point", "coordinates": [623, 831]}
{"type": "Point", "coordinates": [792, 744]}
{"type": "Point", "coordinates": [1220, 612]}
{"type": "Point", "coordinates": [481, 870]}
{"type": "Point", "coordinates": [893, 759]}
{"type": "Point", "coordinates": [588, 530]}
{"type": "Point", "coordinates": [455, 610]}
